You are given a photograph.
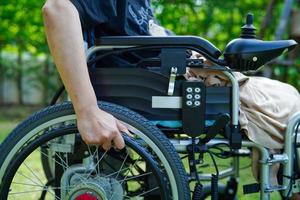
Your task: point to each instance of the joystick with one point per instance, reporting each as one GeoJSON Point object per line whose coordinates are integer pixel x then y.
{"type": "Point", "coordinates": [247, 53]}
{"type": "Point", "coordinates": [248, 30]}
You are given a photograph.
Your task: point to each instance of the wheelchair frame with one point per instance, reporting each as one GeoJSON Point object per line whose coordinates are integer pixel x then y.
{"type": "Point", "coordinates": [266, 160]}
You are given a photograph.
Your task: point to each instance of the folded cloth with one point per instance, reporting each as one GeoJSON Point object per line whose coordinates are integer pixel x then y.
{"type": "Point", "coordinates": [265, 104]}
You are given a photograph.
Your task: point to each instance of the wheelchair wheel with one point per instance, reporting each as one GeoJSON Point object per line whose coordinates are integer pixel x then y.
{"type": "Point", "coordinates": [149, 167]}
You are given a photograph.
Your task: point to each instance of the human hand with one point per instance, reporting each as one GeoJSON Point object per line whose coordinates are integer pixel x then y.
{"type": "Point", "coordinates": [98, 127]}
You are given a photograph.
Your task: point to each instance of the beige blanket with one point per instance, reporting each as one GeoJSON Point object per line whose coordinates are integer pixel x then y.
{"type": "Point", "coordinates": [265, 107]}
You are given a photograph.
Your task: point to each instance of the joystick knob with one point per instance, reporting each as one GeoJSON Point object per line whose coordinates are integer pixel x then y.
{"type": "Point", "coordinates": [248, 30]}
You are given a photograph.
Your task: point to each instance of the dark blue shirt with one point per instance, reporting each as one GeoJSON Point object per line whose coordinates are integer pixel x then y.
{"type": "Point", "coordinates": [113, 17]}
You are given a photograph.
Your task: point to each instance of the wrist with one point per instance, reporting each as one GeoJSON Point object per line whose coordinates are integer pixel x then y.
{"type": "Point", "coordinates": [85, 107]}
{"type": "Point", "coordinates": [88, 110]}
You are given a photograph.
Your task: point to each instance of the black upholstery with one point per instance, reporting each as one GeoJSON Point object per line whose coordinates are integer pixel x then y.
{"type": "Point", "coordinates": [134, 88]}
{"type": "Point", "coordinates": [192, 41]}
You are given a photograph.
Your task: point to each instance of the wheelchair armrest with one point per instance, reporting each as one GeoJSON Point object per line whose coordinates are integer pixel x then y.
{"type": "Point", "coordinates": [192, 41]}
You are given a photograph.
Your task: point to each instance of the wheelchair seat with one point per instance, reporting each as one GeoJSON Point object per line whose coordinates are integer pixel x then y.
{"type": "Point", "coordinates": [197, 42]}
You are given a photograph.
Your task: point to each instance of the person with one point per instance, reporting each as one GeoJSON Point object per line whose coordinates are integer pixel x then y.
{"type": "Point", "coordinates": [68, 23]}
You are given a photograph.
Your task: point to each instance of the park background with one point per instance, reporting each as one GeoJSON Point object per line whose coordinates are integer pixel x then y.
{"type": "Point", "coordinates": [28, 78]}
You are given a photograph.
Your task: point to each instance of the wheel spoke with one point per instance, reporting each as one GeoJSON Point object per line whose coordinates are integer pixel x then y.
{"type": "Point", "coordinates": [90, 173]}
{"type": "Point", "coordinates": [122, 181]}
{"type": "Point", "coordinates": [33, 173]}
{"type": "Point", "coordinates": [28, 184]}
{"type": "Point", "coordinates": [146, 192]}
{"type": "Point", "coordinates": [63, 166]}
{"type": "Point", "coordinates": [20, 173]}
{"type": "Point", "coordinates": [124, 169]}
{"type": "Point", "coordinates": [136, 176]}
{"type": "Point", "coordinates": [122, 165]}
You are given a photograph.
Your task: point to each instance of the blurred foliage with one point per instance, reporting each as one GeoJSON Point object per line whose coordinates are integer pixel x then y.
{"type": "Point", "coordinates": [23, 47]}
{"type": "Point", "coordinates": [22, 26]}
{"type": "Point", "coordinates": [218, 21]}
{"type": "Point", "coordinates": [22, 35]}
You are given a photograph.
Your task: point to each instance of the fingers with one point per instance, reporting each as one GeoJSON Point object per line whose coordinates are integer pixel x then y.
{"type": "Point", "coordinates": [119, 141]}
{"type": "Point", "coordinates": [106, 138]}
{"type": "Point", "coordinates": [107, 145]}
{"type": "Point", "coordinates": [102, 130]}
{"type": "Point", "coordinates": [116, 137]}
{"type": "Point", "coordinates": [122, 127]}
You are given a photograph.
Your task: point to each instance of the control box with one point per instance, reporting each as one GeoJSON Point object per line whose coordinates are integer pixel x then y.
{"type": "Point", "coordinates": [193, 107]}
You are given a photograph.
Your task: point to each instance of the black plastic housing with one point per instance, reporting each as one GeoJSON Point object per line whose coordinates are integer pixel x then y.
{"type": "Point", "coordinates": [249, 54]}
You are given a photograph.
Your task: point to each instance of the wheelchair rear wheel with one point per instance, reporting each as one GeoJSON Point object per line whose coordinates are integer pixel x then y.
{"type": "Point", "coordinates": [149, 167]}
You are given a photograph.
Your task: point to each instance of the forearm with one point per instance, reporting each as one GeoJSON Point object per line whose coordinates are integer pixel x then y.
{"type": "Point", "coordinates": [64, 35]}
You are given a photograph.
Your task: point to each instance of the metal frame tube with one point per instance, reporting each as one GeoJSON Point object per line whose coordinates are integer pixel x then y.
{"type": "Point", "coordinates": [264, 158]}
{"type": "Point", "coordinates": [235, 97]}
{"type": "Point", "coordinates": [94, 49]}
{"type": "Point", "coordinates": [289, 151]}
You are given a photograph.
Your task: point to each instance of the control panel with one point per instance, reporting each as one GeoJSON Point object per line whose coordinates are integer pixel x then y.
{"type": "Point", "coordinates": [193, 107]}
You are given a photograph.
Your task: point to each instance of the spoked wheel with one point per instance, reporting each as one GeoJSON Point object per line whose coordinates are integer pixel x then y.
{"type": "Point", "coordinates": [148, 167]}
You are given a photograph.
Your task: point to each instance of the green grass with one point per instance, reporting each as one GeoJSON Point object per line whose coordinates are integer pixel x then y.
{"type": "Point", "coordinates": [11, 116]}
{"type": "Point", "coordinates": [5, 128]}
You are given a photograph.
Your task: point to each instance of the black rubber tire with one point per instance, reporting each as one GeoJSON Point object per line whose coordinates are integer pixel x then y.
{"type": "Point", "coordinates": [124, 114]}
{"type": "Point", "coordinates": [206, 191]}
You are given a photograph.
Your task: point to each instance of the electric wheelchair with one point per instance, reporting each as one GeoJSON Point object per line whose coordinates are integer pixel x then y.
{"type": "Point", "coordinates": [170, 119]}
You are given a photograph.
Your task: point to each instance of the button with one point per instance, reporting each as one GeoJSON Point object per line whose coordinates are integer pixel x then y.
{"type": "Point", "coordinates": [197, 103]}
{"type": "Point", "coordinates": [197, 96]}
{"type": "Point", "coordinates": [189, 103]}
{"type": "Point", "coordinates": [189, 89]}
{"type": "Point", "coordinates": [197, 90]}
{"type": "Point", "coordinates": [189, 96]}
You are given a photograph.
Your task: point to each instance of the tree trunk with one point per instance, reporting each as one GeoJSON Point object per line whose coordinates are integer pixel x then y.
{"type": "Point", "coordinates": [19, 76]}
{"type": "Point", "coordinates": [269, 15]}
{"type": "Point", "coordinates": [285, 15]}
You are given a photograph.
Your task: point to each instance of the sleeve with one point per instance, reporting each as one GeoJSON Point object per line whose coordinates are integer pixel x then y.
{"type": "Point", "coordinates": [95, 12]}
